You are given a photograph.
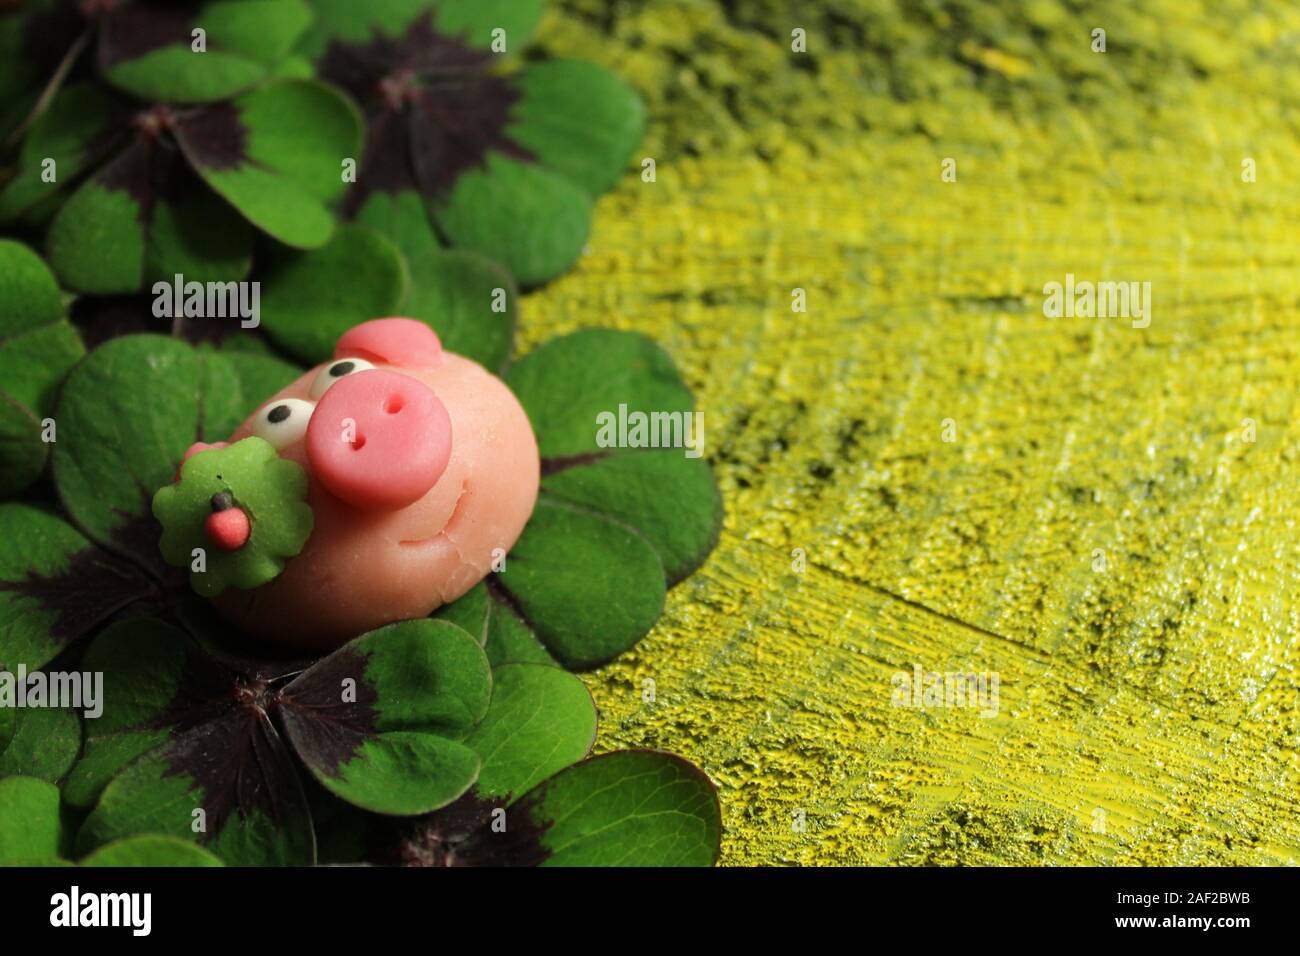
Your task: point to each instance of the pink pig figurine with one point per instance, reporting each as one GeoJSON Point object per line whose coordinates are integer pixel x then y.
{"type": "Point", "coordinates": [422, 468]}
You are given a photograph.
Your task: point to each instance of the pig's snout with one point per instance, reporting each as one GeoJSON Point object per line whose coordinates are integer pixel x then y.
{"type": "Point", "coordinates": [379, 440]}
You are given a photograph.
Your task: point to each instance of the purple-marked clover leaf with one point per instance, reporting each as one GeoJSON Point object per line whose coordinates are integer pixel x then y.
{"type": "Point", "coordinates": [379, 723]}
{"type": "Point", "coordinates": [230, 778]}
{"type": "Point", "coordinates": [136, 211]}
{"type": "Point", "coordinates": [162, 190]}
{"type": "Point", "coordinates": [540, 720]}
{"type": "Point", "coordinates": [157, 677]}
{"type": "Point", "coordinates": [56, 586]}
{"type": "Point", "coordinates": [627, 808]}
{"type": "Point", "coordinates": [188, 748]}
{"type": "Point", "coordinates": [249, 475]}
{"type": "Point", "coordinates": [149, 48]}
{"type": "Point", "coordinates": [297, 134]}
{"type": "Point", "coordinates": [473, 21]}
{"type": "Point", "coordinates": [614, 526]}
{"type": "Point", "coordinates": [503, 164]}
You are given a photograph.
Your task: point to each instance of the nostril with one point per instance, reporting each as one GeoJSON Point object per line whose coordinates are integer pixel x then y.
{"type": "Point", "coordinates": [384, 413]}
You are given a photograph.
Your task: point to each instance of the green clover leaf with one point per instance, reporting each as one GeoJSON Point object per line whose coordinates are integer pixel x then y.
{"type": "Point", "coordinates": [540, 720]}
{"type": "Point", "coordinates": [613, 527]}
{"type": "Point", "coordinates": [37, 347]}
{"type": "Point", "coordinates": [311, 298]}
{"type": "Point", "coordinates": [34, 832]}
{"type": "Point", "coordinates": [388, 263]}
{"type": "Point", "coordinates": [150, 850]}
{"type": "Point", "coordinates": [628, 808]}
{"type": "Point", "coordinates": [270, 490]}
{"type": "Point", "coordinates": [43, 743]}
{"type": "Point", "coordinates": [22, 452]}
{"type": "Point", "coordinates": [31, 825]}
{"type": "Point", "coordinates": [126, 414]}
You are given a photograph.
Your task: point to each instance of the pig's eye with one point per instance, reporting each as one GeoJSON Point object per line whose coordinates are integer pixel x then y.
{"type": "Point", "coordinates": [283, 422]}
{"type": "Point", "coordinates": [336, 370]}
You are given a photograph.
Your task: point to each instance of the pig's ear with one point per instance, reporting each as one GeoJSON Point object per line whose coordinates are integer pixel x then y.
{"type": "Point", "coordinates": [392, 341]}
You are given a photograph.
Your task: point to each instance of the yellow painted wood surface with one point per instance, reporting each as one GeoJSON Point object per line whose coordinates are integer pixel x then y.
{"type": "Point", "coordinates": [1148, 710]}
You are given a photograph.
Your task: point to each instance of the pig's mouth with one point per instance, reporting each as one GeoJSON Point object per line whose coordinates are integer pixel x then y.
{"type": "Point", "coordinates": [453, 522]}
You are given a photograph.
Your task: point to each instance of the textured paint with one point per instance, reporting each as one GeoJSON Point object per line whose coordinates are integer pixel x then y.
{"type": "Point", "coordinates": [1148, 711]}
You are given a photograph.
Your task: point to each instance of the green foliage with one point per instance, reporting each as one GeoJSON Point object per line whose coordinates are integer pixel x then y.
{"type": "Point", "coordinates": [134, 158]}
{"type": "Point", "coordinates": [37, 347]}
{"type": "Point", "coordinates": [31, 827]}
{"type": "Point", "coordinates": [632, 808]}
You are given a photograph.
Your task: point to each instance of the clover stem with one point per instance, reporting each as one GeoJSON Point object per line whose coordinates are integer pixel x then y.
{"type": "Point", "coordinates": [51, 89]}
